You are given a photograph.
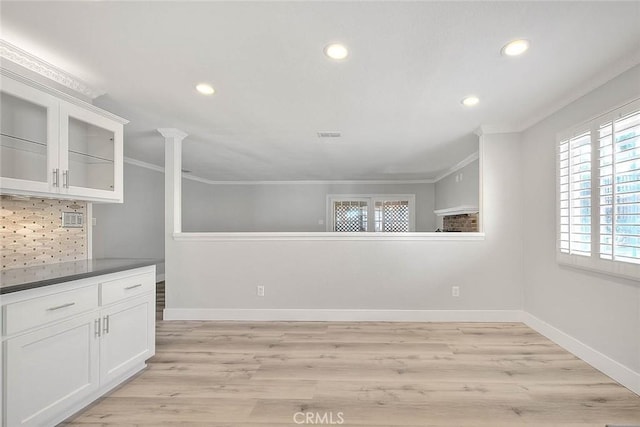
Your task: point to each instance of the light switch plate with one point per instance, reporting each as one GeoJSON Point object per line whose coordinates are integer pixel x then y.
{"type": "Point", "coordinates": [72, 220]}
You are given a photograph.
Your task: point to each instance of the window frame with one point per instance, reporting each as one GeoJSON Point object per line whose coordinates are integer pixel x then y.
{"type": "Point", "coordinates": [371, 201]}
{"type": "Point", "coordinates": [593, 261]}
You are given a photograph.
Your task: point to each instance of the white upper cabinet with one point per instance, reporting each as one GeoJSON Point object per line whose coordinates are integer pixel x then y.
{"type": "Point", "coordinates": [55, 146]}
{"type": "Point", "coordinates": [90, 154]}
{"type": "Point", "coordinates": [29, 129]}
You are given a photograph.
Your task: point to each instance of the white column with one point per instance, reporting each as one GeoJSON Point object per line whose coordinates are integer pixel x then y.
{"type": "Point", "coordinates": [172, 209]}
{"type": "Point", "coordinates": [172, 180]}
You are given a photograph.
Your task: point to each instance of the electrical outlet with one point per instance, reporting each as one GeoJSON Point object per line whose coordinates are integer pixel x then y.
{"type": "Point", "coordinates": [260, 290]}
{"type": "Point", "coordinates": [455, 291]}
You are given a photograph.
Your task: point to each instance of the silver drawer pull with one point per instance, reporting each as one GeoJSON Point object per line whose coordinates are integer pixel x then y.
{"type": "Point", "coordinates": [105, 325]}
{"type": "Point", "coordinates": [58, 307]}
{"type": "Point", "coordinates": [133, 286]}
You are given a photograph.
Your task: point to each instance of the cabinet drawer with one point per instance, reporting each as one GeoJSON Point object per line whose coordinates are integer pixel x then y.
{"type": "Point", "coordinates": [120, 289]}
{"type": "Point", "coordinates": [39, 311]}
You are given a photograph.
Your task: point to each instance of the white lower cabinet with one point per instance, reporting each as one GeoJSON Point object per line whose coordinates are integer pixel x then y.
{"type": "Point", "coordinates": [57, 366]}
{"type": "Point", "coordinates": [127, 338]}
{"type": "Point", "coordinates": [49, 370]}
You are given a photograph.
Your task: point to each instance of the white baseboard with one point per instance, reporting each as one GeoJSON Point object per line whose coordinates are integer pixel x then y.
{"type": "Point", "coordinates": [620, 373]}
{"type": "Point", "coordinates": [343, 315]}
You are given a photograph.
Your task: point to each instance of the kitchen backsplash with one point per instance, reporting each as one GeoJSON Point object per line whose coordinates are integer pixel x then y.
{"type": "Point", "coordinates": [31, 232]}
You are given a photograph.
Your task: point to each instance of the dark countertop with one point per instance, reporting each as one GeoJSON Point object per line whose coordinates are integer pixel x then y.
{"type": "Point", "coordinates": [20, 279]}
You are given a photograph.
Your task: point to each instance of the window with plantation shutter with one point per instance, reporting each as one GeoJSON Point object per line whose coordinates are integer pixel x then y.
{"type": "Point", "coordinates": [599, 194]}
{"type": "Point", "coordinates": [620, 189]}
{"type": "Point", "coordinates": [575, 195]}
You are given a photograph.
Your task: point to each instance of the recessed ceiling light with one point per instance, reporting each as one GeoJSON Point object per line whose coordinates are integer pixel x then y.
{"type": "Point", "coordinates": [205, 89]}
{"type": "Point", "coordinates": [470, 101]}
{"type": "Point", "coordinates": [336, 51]}
{"type": "Point", "coordinates": [515, 48]}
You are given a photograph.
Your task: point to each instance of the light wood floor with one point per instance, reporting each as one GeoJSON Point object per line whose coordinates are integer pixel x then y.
{"type": "Point", "coordinates": [375, 374]}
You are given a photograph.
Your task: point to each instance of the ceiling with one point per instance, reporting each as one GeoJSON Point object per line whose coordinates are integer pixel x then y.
{"type": "Point", "coordinates": [395, 99]}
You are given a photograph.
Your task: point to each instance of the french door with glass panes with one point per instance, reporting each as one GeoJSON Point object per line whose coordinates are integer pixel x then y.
{"type": "Point", "coordinates": [392, 213]}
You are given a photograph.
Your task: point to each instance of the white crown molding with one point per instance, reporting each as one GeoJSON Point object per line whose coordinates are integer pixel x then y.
{"type": "Point", "coordinates": [318, 182]}
{"type": "Point", "coordinates": [61, 95]}
{"type": "Point", "coordinates": [142, 164]}
{"type": "Point", "coordinates": [609, 73]}
{"type": "Point", "coordinates": [157, 168]}
{"type": "Point", "coordinates": [497, 129]}
{"type": "Point", "coordinates": [464, 162]}
{"type": "Point", "coordinates": [33, 63]}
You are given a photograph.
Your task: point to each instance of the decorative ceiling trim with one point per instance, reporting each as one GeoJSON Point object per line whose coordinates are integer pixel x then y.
{"type": "Point", "coordinates": [142, 164]}
{"type": "Point", "coordinates": [496, 129]}
{"type": "Point", "coordinates": [610, 72]}
{"type": "Point", "coordinates": [188, 175]}
{"type": "Point", "coordinates": [464, 162]}
{"type": "Point", "coordinates": [33, 63]}
{"type": "Point", "coordinates": [312, 182]}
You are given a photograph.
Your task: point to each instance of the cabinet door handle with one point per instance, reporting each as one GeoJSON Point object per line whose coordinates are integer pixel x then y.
{"type": "Point", "coordinates": [133, 287]}
{"type": "Point", "coordinates": [58, 307]}
{"type": "Point", "coordinates": [65, 179]}
{"type": "Point", "coordinates": [105, 325]}
{"type": "Point", "coordinates": [55, 177]}
{"type": "Point", "coordinates": [96, 324]}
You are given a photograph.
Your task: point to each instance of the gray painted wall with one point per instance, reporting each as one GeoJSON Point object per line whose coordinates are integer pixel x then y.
{"type": "Point", "coordinates": [601, 311]}
{"type": "Point", "coordinates": [466, 191]}
{"type": "Point", "coordinates": [282, 207]}
{"type": "Point", "coordinates": [375, 274]}
{"type": "Point", "coordinates": [450, 193]}
{"type": "Point", "coordinates": [134, 228]}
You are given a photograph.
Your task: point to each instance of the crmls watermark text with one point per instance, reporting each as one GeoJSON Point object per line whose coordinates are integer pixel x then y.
{"type": "Point", "coordinates": [329, 418]}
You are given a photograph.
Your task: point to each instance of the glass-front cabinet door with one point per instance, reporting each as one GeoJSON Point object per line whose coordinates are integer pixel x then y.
{"type": "Point", "coordinates": [28, 139]}
{"type": "Point", "coordinates": [90, 154]}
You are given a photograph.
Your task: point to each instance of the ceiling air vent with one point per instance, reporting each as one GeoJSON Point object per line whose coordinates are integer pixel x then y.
{"type": "Point", "coordinates": [329, 134]}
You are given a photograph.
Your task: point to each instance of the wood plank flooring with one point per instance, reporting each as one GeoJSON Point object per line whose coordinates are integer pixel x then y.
{"type": "Point", "coordinates": [365, 374]}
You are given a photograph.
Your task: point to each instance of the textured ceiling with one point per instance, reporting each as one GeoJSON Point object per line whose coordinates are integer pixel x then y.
{"type": "Point", "coordinates": [396, 99]}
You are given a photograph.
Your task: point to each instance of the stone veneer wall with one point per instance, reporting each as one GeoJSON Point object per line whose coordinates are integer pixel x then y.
{"type": "Point", "coordinates": [464, 222]}
{"type": "Point", "coordinates": [31, 232]}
